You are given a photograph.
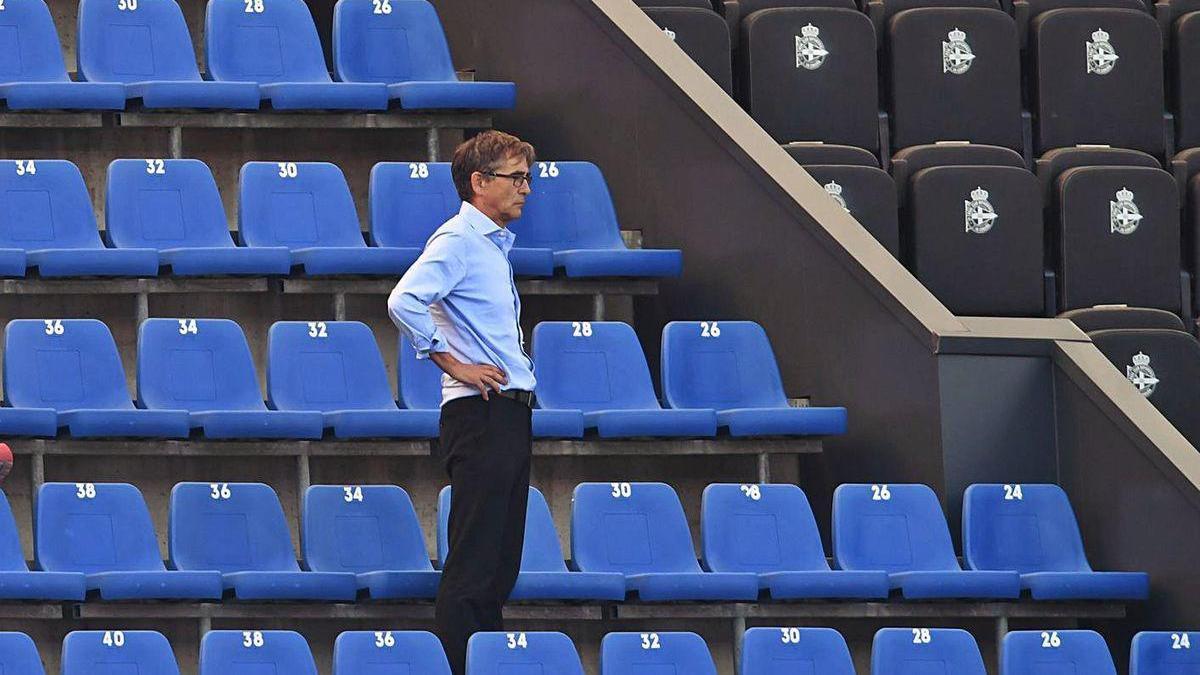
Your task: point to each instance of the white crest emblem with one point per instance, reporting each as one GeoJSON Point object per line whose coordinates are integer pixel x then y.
{"type": "Point", "coordinates": [670, 33]}
{"type": "Point", "coordinates": [1101, 57]}
{"type": "Point", "coordinates": [1123, 215]}
{"type": "Point", "coordinates": [956, 54]}
{"type": "Point", "coordinates": [834, 190]}
{"type": "Point", "coordinates": [980, 216]}
{"type": "Point", "coordinates": [810, 51]}
{"type": "Point", "coordinates": [1142, 375]}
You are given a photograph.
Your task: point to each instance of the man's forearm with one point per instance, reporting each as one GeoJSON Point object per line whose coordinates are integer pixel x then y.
{"type": "Point", "coordinates": [445, 361]}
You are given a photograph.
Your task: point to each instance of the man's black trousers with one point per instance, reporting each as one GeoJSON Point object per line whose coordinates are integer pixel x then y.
{"type": "Point", "coordinates": [485, 446]}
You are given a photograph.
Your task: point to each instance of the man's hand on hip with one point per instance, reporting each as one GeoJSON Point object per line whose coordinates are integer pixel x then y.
{"type": "Point", "coordinates": [484, 377]}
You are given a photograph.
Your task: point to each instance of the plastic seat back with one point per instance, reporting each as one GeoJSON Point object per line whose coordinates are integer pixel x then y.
{"type": "Point", "coordinates": [46, 205]}
{"type": "Point", "coordinates": [297, 205]}
{"type": "Point", "coordinates": [916, 651]}
{"type": "Point", "coordinates": [18, 654]}
{"type": "Point", "coordinates": [1164, 653]}
{"type": "Point", "coordinates": [591, 366]}
{"type": "Point", "coordinates": [1059, 651]}
{"type": "Point", "coordinates": [631, 528]}
{"type": "Point", "coordinates": [238, 652]}
{"type": "Point", "coordinates": [410, 200]}
{"type": "Point", "coordinates": [164, 203]}
{"type": "Point", "coordinates": [94, 527]}
{"type": "Point", "coordinates": [759, 528]}
{"type": "Point", "coordinates": [1025, 528]}
{"type": "Point", "coordinates": [326, 366]}
{"type": "Point", "coordinates": [641, 653]}
{"type": "Point", "coordinates": [892, 528]}
{"type": "Point", "coordinates": [264, 42]}
{"type": "Point", "coordinates": [367, 652]}
{"type": "Point", "coordinates": [12, 557]}
{"type": "Point", "coordinates": [196, 365]}
{"type": "Point", "coordinates": [230, 527]}
{"type": "Point", "coordinates": [29, 46]}
{"type": "Point", "coordinates": [420, 380]}
{"type": "Point", "coordinates": [112, 652]}
{"type": "Point", "coordinates": [400, 41]}
{"type": "Point", "coordinates": [135, 42]}
{"type": "Point", "coordinates": [63, 364]}
{"type": "Point", "coordinates": [720, 365]}
{"type": "Point", "coordinates": [361, 528]}
{"type": "Point", "coordinates": [569, 208]}
{"type": "Point", "coordinates": [493, 653]}
{"type": "Point", "coordinates": [786, 651]}
{"type": "Point", "coordinates": [541, 551]}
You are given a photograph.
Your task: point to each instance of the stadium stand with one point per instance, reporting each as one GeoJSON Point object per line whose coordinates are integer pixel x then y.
{"type": "Point", "coordinates": [502, 653]}
{"type": "Point", "coordinates": [115, 652]}
{"type": "Point", "coordinates": [637, 653]}
{"type": "Point", "coordinates": [356, 652]}
{"type": "Point", "coordinates": [18, 583]}
{"type": "Point", "coordinates": [1081, 651]}
{"type": "Point", "coordinates": [408, 202]}
{"type": "Point", "coordinates": [702, 35]}
{"type": "Point", "coordinates": [778, 651]}
{"type": "Point", "coordinates": [905, 651]}
{"type": "Point", "coordinates": [244, 652]}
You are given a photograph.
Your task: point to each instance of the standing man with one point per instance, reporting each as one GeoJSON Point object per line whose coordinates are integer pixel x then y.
{"type": "Point", "coordinates": [458, 305]}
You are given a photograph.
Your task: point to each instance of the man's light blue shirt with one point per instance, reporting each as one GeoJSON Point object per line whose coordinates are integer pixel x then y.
{"type": "Point", "coordinates": [460, 297]}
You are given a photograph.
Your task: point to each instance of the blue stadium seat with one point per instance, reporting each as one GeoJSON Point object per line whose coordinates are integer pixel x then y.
{"type": "Point", "coordinates": [769, 530]}
{"type": "Point", "coordinates": [173, 206]}
{"type": "Point", "coordinates": [1061, 651]}
{"type": "Point", "coordinates": [420, 388]}
{"type": "Point", "coordinates": [1164, 653]}
{"type": "Point", "coordinates": [493, 653]}
{"type": "Point", "coordinates": [571, 212]}
{"type": "Point", "coordinates": [599, 368]}
{"type": "Point", "coordinates": [18, 583]}
{"type": "Point", "coordinates": [639, 530]}
{"type": "Point", "coordinates": [104, 530]}
{"type": "Point", "coordinates": [18, 654]}
{"type": "Point", "coordinates": [239, 530]}
{"type": "Point", "coordinates": [275, 43]}
{"type": "Point", "coordinates": [653, 653]}
{"type": "Point", "coordinates": [49, 215]}
{"type": "Point", "coordinates": [364, 652]}
{"type": "Point", "coordinates": [371, 531]}
{"type": "Point", "coordinates": [544, 574]}
{"type": "Point", "coordinates": [244, 652]}
{"type": "Point", "coordinates": [405, 48]}
{"type": "Point", "coordinates": [35, 75]}
{"type": "Point", "coordinates": [901, 530]}
{"type": "Point", "coordinates": [307, 207]}
{"type": "Point", "coordinates": [1031, 529]}
{"type": "Point", "coordinates": [146, 46]}
{"type": "Point", "coordinates": [335, 368]}
{"type": "Point", "coordinates": [204, 366]}
{"type": "Point", "coordinates": [111, 652]}
{"type": "Point", "coordinates": [787, 651]}
{"type": "Point", "coordinates": [916, 651]}
{"type": "Point", "coordinates": [73, 367]}
{"type": "Point", "coordinates": [729, 366]}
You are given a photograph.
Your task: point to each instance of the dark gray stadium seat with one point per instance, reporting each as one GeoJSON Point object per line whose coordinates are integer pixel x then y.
{"type": "Point", "coordinates": [1183, 76]}
{"type": "Point", "coordinates": [910, 160]}
{"type": "Point", "coordinates": [1166, 371]}
{"type": "Point", "coordinates": [1186, 168]}
{"type": "Point", "coordinates": [702, 35]}
{"type": "Point", "coordinates": [828, 153]}
{"type": "Point", "coordinates": [880, 11]}
{"type": "Point", "coordinates": [693, 4]}
{"type": "Point", "coordinates": [827, 92]}
{"type": "Point", "coordinates": [1108, 317]}
{"type": "Point", "coordinates": [954, 74]}
{"type": "Point", "coordinates": [868, 194]}
{"type": "Point", "coordinates": [1098, 79]}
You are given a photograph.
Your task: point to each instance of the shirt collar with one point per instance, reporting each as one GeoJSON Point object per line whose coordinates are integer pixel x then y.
{"type": "Point", "coordinates": [477, 220]}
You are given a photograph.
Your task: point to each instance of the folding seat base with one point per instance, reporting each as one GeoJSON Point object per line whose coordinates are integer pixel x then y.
{"type": "Point", "coordinates": [258, 424]}
{"type": "Point", "coordinates": [196, 94]}
{"type": "Point", "coordinates": [126, 423]}
{"type": "Point", "coordinates": [400, 584]}
{"type": "Point", "coordinates": [569, 586]}
{"type": "Point", "coordinates": [292, 585]}
{"type": "Point", "coordinates": [21, 585]}
{"type": "Point", "coordinates": [802, 585]}
{"type": "Point", "coordinates": [1087, 585]}
{"type": "Point", "coordinates": [532, 262]}
{"type": "Point", "coordinates": [383, 423]}
{"type": "Point", "coordinates": [951, 584]}
{"type": "Point", "coordinates": [694, 586]}
{"type": "Point", "coordinates": [28, 422]}
{"type": "Point", "coordinates": [353, 260]}
{"type": "Point", "coordinates": [157, 585]}
{"type": "Point", "coordinates": [63, 95]}
{"type": "Point", "coordinates": [557, 423]}
{"type": "Point", "coordinates": [783, 421]}
{"type": "Point", "coordinates": [654, 422]}
{"type": "Point", "coordinates": [620, 262]}
{"type": "Point", "coordinates": [462, 95]}
{"type": "Point", "coordinates": [95, 262]}
{"type": "Point", "coordinates": [12, 262]}
{"type": "Point", "coordinates": [214, 260]}
{"type": "Point", "coordinates": [325, 95]}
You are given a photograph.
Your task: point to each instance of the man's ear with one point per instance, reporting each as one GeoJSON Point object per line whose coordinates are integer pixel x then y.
{"type": "Point", "coordinates": [477, 182]}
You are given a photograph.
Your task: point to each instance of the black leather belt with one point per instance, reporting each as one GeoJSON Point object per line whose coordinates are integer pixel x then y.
{"type": "Point", "coordinates": [519, 395]}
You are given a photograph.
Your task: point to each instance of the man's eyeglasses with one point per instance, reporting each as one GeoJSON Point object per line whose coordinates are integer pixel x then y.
{"type": "Point", "coordinates": [518, 179]}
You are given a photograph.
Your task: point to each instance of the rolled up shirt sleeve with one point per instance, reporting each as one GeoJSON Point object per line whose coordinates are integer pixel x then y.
{"type": "Point", "coordinates": [435, 273]}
